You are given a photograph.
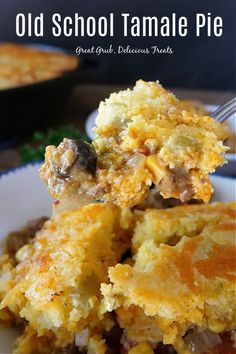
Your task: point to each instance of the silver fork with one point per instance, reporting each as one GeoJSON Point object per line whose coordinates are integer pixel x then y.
{"type": "Point", "coordinates": [225, 111]}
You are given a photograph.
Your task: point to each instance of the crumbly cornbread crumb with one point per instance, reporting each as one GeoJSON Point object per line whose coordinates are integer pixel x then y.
{"type": "Point", "coordinates": [173, 288]}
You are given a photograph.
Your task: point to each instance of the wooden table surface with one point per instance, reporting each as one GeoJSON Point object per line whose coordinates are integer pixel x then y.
{"type": "Point", "coordinates": [85, 98]}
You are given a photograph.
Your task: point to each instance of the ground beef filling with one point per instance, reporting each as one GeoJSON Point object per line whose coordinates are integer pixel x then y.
{"type": "Point", "coordinates": [17, 239]}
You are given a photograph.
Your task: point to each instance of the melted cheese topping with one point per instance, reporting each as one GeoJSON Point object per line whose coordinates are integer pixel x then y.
{"type": "Point", "coordinates": [175, 287]}
{"type": "Point", "coordinates": [169, 225]}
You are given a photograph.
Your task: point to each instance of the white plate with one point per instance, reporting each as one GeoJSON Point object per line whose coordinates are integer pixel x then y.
{"type": "Point", "coordinates": [228, 169]}
{"type": "Point", "coordinates": [23, 196]}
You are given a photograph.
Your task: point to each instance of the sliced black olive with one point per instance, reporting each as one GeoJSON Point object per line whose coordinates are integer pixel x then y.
{"type": "Point", "coordinates": [86, 156]}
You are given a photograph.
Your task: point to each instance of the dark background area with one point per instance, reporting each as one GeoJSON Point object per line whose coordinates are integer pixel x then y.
{"type": "Point", "coordinates": [197, 62]}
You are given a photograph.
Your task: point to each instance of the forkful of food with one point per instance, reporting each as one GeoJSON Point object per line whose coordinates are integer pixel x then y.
{"type": "Point", "coordinates": [144, 139]}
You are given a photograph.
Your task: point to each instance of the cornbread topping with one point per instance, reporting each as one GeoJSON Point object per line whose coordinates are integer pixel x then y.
{"type": "Point", "coordinates": [75, 280]}
{"type": "Point", "coordinates": [116, 276]}
{"type": "Point", "coordinates": [144, 138]}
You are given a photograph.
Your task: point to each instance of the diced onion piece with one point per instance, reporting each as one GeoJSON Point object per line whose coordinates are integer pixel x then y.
{"type": "Point", "coordinates": [82, 338]}
{"type": "Point", "coordinates": [23, 253]}
{"type": "Point", "coordinates": [200, 342]}
{"type": "Point", "coordinates": [136, 161]}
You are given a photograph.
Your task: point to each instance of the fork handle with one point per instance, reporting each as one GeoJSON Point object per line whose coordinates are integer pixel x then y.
{"type": "Point", "coordinates": [225, 111]}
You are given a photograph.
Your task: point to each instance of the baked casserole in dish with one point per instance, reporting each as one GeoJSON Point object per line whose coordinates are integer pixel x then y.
{"type": "Point", "coordinates": [22, 65]}
{"type": "Point", "coordinates": [111, 273]}
{"type": "Point", "coordinates": [36, 82]}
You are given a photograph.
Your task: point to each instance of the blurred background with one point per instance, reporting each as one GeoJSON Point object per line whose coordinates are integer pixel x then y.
{"type": "Point", "coordinates": [198, 62]}
{"type": "Point", "coordinates": [33, 116]}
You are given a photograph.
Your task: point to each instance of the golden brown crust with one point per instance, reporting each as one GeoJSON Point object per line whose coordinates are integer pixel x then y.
{"type": "Point", "coordinates": [56, 285]}
{"type": "Point", "coordinates": [146, 135]}
{"type": "Point", "coordinates": [145, 138]}
{"type": "Point", "coordinates": [169, 225]}
{"type": "Point", "coordinates": [21, 65]}
{"type": "Point", "coordinates": [172, 288]}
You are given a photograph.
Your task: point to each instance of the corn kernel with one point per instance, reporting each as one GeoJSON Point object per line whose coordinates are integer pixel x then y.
{"type": "Point", "coordinates": [157, 171]}
{"type": "Point", "coordinates": [217, 326]}
{"type": "Point", "coordinates": [142, 348]}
